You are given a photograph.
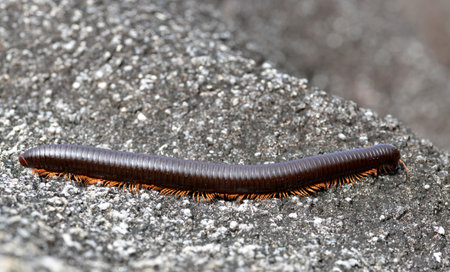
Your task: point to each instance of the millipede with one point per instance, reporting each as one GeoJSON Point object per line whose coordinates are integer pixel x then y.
{"type": "Point", "coordinates": [89, 165]}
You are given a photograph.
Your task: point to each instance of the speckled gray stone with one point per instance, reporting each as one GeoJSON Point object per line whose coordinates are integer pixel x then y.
{"type": "Point", "coordinates": [167, 78]}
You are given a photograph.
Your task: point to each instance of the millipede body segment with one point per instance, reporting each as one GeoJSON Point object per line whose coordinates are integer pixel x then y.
{"type": "Point", "coordinates": [89, 165]}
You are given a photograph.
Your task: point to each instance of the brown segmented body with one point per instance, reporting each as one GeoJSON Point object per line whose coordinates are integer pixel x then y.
{"type": "Point", "coordinates": [177, 176]}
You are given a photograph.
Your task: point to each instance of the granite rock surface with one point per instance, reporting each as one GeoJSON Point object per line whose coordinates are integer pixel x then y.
{"type": "Point", "coordinates": [168, 78]}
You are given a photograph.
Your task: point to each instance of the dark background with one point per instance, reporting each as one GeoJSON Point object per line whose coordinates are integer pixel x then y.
{"type": "Point", "coordinates": [390, 56]}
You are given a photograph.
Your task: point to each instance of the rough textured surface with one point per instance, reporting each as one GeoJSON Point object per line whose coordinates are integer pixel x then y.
{"type": "Point", "coordinates": [369, 51]}
{"type": "Point", "coordinates": [168, 78]}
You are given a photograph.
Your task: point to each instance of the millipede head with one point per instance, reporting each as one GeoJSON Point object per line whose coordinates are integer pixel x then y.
{"type": "Point", "coordinates": [406, 169]}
